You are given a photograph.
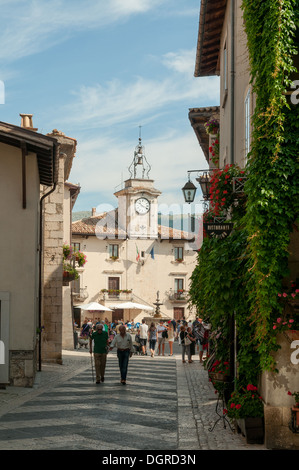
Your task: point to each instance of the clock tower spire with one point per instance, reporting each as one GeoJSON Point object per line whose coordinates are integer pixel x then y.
{"type": "Point", "coordinates": [138, 200]}
{"type": "Point", "coordinates": [139, 163]}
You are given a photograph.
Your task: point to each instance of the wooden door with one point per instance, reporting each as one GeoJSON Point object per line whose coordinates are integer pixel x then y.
{"type": "Point", "coordinates": [117, 315]}
{"type": "Point", "coordinates": [178, 313]}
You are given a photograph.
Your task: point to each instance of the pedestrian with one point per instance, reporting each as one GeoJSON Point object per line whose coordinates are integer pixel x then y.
{"type": "Point", "coordinates": [100, 339]}
{"type": "Point", "coordinates": [170, 332]}
{"type": "Point", "coordinates": [123, 342]}
{"type": "Point", "coordinates": [85, 328]}
{"type": "Point", "coordinates": [192, 337]}
{"type": "Point", "coordinates": [162, 334]}
{"type": "Point", "coordinates": [199, 332]}
{"type": "Point", "coordinates": [185, 346]}
{"type": "Point", "coordinates": [143, 331]}
{"type": "Point", "coordinates": [178, 330]}
{"type": "Point", "coordinates": [152, 338]}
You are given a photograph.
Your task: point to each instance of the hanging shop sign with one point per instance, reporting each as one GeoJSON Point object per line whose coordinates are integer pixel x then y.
{"type": "Point", "coordinates": [217, 230]}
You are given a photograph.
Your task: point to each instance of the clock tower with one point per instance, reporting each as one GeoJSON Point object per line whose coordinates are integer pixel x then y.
{"type": "Point", "coordinates": [138, 200]}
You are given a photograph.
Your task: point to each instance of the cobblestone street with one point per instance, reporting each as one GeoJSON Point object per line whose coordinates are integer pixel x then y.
{"type": "Point", "coordinates": [166, 405]}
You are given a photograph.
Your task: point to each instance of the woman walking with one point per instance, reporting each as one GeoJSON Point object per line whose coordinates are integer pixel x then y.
{"type": "Point", "coordinates": [152, 338]}
{"type": "Point", "coordinates": [170, 330]}
{"type": "Point", "coordinates": [192, 337]}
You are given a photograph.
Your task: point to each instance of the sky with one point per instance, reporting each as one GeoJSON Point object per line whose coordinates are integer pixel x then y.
{"type": "Point", "coordinates": [102, 71]}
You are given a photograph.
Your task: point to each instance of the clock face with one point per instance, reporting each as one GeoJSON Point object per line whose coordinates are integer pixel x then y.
{"type": "Point", "coordinates": [142, 205]}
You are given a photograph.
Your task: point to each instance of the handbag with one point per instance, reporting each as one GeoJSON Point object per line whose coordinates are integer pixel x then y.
{"type": "Point", "coordinates": [164, 334]}
{"type": "Point", "coordinates": [187, 341]}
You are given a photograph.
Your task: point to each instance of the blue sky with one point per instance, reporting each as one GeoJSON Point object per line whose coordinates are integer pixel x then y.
{"type": "Point", "coordinates": [97, 70]}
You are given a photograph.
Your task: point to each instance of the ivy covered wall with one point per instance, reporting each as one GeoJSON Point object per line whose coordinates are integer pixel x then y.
{"type": "Point", "coordinates": [245, 273]}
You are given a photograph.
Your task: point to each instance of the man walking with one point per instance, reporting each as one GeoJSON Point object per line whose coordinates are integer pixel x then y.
{"type": "Point", "coordinates": [100, 339]}
{"type": "Point", "coordinates": [124, 344]}
{"type": "Point", "coordinates": [143, 330]}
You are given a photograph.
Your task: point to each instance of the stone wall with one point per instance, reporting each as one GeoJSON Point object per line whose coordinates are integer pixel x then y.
{"type": "Point", "coordinates": [22, 368]}
{"type": "Point", "coordinates": [278, 403]}
{"type": "Point", "coordinates": [52, 272]}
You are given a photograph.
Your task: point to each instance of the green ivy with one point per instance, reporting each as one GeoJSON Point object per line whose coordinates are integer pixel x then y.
{"type": "Point", "coordinates": [272, 185]}
{"type": "Point", "coordinates": [243, 273]}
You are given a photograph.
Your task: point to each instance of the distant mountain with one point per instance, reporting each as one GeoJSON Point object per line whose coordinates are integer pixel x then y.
{"type": "Point", "coordinates": [80, 215]}
{"type": "Point", "coordinates": [179, 222]}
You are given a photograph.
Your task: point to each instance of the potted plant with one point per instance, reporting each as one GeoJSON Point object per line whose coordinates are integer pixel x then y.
{"type": "Point", "coordinates": [219, 371]}
{"type": "Point", "coordinates": [247, 409]}
{"type": "Point", "coordinates": [69, 273]}
{"type": "Point", "coordinates": [67, 252]}
{"type": "Point", "coordinates": [80, 258]}
{"type": "Point", "coordinates": [212, 126]}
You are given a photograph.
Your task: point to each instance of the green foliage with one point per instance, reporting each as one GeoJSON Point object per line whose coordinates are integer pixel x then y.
{"type": "Point", "coordinates": [245, 403]}
{"type": "Point", "coordinates": [243, 273]}
{"type": "Point", "coordinates": [272, 185]}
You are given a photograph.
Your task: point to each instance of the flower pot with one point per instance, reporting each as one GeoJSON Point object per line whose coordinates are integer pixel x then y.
{"type": "Point", "coordinates": [68, 277]}
{"type": "Point", "coordinates": [220, 377]}
{"type": "Point", "coordinates": [252, 429]}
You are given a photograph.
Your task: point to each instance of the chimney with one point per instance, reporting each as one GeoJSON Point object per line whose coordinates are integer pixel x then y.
{"type": "Point", "coordinates": [93, 211]}
{"type": "Point", "coordinates": [26, 122]}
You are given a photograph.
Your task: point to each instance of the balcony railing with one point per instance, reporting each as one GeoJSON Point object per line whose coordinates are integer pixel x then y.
{"type": "Point", "coordinates": [81, 295]}
{"type": "Point", "coordinates": [178, 296]}
{"type": "Point", "coordinates": [116, 294]}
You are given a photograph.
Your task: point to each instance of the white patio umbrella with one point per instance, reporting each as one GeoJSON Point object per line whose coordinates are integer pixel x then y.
{"type": "Point", "coordinates": [94, 306]}
{"type": "Point", "coordinates": [131, 306]}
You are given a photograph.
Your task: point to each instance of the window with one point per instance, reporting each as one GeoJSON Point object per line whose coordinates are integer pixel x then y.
{"type": "Point", "coordinates": [113, 286]}
{"type": "Point", "coordinates": [247, 123]}
{"type": "Point", "coordinates": [76, 246]}
{"type": "Point", "coordinates": [114, 251]}
{"type": "Point", "coordinates": [179, 286]}
{"type": "Point", "coordinates": [178, 253]}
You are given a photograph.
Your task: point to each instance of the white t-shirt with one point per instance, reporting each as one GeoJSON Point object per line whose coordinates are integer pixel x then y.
{"type": "Point", "coordinates": [143, 330]}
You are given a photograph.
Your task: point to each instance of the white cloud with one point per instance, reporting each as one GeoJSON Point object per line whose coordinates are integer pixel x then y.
{"type": "Point", "coordinates": [116, 102]}
{"type": "Point", "coordinates": [181, 61]}
{"type": "Point", "coordinates": [101, 165]}
{"type": "Point", "coordinates": [33, 26]}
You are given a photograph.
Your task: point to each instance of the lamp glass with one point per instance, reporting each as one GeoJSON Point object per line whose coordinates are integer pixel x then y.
{"type": "Point", "coordinates": [189, 191]}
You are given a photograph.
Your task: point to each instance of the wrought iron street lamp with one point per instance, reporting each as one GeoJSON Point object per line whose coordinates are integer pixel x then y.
{"type": "Point", "coordinates": [189, 189]}
{"type": "Point", "coordinates": [204, 181]}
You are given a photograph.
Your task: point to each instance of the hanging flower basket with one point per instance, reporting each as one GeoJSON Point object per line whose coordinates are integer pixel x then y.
{"type": "Point", "coordinates": [212, 127]}
{"type": "Point", "coordinates": [69, 273]}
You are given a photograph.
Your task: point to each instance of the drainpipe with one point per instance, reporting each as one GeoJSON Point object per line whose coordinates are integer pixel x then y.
{"type": "Point", "coordinates": [232, 86]}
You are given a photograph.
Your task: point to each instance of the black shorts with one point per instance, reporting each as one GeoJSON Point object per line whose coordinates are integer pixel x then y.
{"type": "Point", "coordinates": [142, 342]}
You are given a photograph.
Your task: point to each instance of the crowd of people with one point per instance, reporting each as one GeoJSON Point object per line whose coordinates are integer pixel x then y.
{"type": "Point", "coordinates": [190, 335]}
{"type": "Point", "coordinates": [105, 336]}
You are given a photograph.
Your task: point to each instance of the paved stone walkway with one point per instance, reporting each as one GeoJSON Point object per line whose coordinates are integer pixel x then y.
{"type": "Point", "coordinates": [166, 405]}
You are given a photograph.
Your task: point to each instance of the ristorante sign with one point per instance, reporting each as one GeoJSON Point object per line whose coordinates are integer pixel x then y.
{"type": "Point", "coordinates": [217, 230]}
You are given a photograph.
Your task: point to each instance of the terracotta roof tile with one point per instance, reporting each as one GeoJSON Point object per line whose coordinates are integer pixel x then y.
{"type": "Point", "coordinates": [109, 226]}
